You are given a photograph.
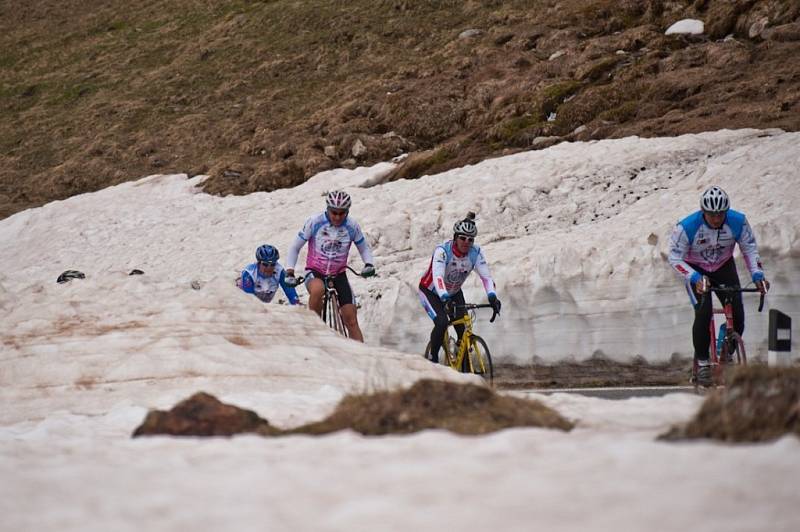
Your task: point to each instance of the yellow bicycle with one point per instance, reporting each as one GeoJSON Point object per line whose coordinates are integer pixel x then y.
{"type": "Point", "coordinates": [471, 354]}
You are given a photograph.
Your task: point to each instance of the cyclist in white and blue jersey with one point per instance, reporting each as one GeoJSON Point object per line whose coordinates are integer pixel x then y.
{"type": "Point", "coordinates": [450, 265]}
{"type": "Point", "coordinates": [701, 250]}
{"type": "Point", "coordinates": [263, 277]}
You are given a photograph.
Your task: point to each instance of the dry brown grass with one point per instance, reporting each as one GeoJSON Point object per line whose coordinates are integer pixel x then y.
{"type": "Point", "coordinates": [758, 404]}
{"type": "Point", "coordinates": [91, 96]}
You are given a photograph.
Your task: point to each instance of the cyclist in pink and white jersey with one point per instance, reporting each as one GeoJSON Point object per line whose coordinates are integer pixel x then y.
{"type": "Point", "coordinates": [329, 236]}
{"type": "Point", "coordinates": [450, 265]}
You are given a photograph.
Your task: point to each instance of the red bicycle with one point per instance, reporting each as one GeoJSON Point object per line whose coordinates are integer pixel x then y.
{"type": "Point", "coordinates": [727, 347]}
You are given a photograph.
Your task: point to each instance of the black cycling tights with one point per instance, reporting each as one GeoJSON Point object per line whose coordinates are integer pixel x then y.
{"type": "Point", "coordinates": [440, 323]}
{"type": "Point", "coordinates": [701, 336]}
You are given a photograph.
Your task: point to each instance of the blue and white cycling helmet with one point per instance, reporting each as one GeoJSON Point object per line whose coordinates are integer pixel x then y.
{"type": "Point", "coordinates": [466, 226]}
{"type": "Point", "coordinates": [715, 200]}
{"type": "Point", "coordinates": [338, 199]}
{"type": "Point", "coordinates": [268, 254]}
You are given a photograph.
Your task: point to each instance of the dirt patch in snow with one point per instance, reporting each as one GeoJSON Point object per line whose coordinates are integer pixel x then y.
{"type": "Point", "coordinates": [428, 404]}
{"type": "Point", "coordinates": [759, 404]}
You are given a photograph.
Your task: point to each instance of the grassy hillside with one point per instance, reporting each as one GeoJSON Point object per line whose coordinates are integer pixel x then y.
{"type": "Point", "coordinates": [263, 94]}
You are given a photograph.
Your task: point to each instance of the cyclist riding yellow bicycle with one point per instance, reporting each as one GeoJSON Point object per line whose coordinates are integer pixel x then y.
{"type": "Point", "coordinates": [701, 250]}
{"type": "Point", "coordinates": [450, 265]}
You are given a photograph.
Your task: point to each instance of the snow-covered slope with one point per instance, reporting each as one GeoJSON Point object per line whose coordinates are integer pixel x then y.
{"type": "Point", "coordinates": [576, 236]}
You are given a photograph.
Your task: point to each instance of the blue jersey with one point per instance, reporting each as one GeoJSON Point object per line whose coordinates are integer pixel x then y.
{"type": "Point", "coordinates": [695, 243]}
{"type": "Point", "coordinates": [265, 287]}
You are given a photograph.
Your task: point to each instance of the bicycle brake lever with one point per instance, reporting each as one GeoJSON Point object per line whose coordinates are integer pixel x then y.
{"type": "Point", "coordinates": [494, 315]}
{"type": "Point", "coordinates": [761, 303]}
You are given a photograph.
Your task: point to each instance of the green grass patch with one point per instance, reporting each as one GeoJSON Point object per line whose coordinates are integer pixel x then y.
{"type": "Point", "coordinates": [621, 113]}
{"type": "Point", "coordinates": [509, 130]}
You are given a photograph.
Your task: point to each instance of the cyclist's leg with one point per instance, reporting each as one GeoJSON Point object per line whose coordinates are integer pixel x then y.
{"type": "Point", "coordinates": [435, 309]}
{"type": "Point", "coordinates": [458, 299]}
{"type": "Point", "coordinates": [701, 336]}
{"type": "Point", "coordinates": [347, 307]}
{"type": "Point", "coordinates": [350, 320]}
{"type": "Point", "coordinates": [316, 289]}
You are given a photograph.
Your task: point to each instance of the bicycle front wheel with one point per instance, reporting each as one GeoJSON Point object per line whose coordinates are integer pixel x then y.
{"type": "Point", "coordinates": [332, 316]}
{"type": "Point", "coordinates": [478, 360]}
{"type": "Point", "coordinates": [737, 344]}
{"type": "Point", "coordinates": [446, 354]}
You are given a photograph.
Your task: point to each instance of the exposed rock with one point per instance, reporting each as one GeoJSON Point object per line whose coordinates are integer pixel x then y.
{"type": "Point", "coordinates": [688, 25]}
{"type": "Point", "coordinates": [203, 415]}
{"type": "Point", "coordinates": [358, 149]}
{"type": "Point", "coordinates": [784, 33]}
{"type": "Point", "coordinates": [467, 34]}
{"type": "Point", "coordinates": [539, 143]}
{"type": "Point", "coordinates": [757, 28]}
{"type": "Point", "coordinates": [330, 151]}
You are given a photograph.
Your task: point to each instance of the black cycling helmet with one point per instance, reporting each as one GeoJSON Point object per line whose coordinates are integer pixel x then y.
{"type": "Point", "coordinates": [68, 275]}
{"type": "Point", "coordinates": [466, 226]}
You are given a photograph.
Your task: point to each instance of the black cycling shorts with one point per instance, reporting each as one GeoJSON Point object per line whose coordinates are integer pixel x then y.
{"type": "Point", "coordinates": [340, 282]}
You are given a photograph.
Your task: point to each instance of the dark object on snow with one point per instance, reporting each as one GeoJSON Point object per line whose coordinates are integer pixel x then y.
{"type": "Point", "coordinates": [203, 415]}
{"type": "Point", "coordinates": [758, 404]}
{"type": "Point", "coordinates": [433, 404]}
{"type": "Point", "coordinates": [428, 404]}
{"type": "Point", "coordinates": [136, 271]}
{"type": "Point", "coordinates": [68, 275]}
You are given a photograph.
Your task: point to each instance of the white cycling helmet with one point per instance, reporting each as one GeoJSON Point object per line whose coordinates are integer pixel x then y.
{"type": "Point", "coordinates": [466, 226]}
{"type": "Point", "coordinates": [338, 199]}
{"type": "Point", "coordinates": [715, 200]}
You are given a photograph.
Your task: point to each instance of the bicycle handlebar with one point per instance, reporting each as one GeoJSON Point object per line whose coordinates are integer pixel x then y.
{"type": "Point", "coordinates": [359, 273]}
{"type": "Point", "coordinates": [471, 306]}
{"type": "Point", "coordinates": [300, 279]}
{"type": "Point", "coordinates": [734, 290]}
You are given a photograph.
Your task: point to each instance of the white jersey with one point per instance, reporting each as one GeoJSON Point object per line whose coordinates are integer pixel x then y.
{"type": "Point", "coordinates": [447, 270]}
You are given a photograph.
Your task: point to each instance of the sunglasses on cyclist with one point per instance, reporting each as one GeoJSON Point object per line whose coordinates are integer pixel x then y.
{"type": "Point", "coordinates": [266, 264]}
{"type": "Point", "coordinates": [337, 212]}
{"type": "Point", "coordinates": [465, 238]}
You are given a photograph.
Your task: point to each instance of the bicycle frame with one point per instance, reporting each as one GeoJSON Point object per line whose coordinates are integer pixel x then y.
{"type": "Point", "coordinates": [331, 311]}
{"type": "Point", "coordinates": [732, 342]}
{"type": "Point", "coordinates": [461, 360]}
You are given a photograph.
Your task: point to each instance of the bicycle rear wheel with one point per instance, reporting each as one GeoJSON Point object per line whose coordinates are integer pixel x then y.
{"type": "Point", "coordinates": [478, 360]}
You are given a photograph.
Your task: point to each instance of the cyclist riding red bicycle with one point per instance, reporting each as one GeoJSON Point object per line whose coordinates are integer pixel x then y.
{"type": "Point", "coordinates": [450, 265]}
{"type": "Point", "coordinates": [701, 250]}
{"type": "Point", "coordinates": [329, 236]}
